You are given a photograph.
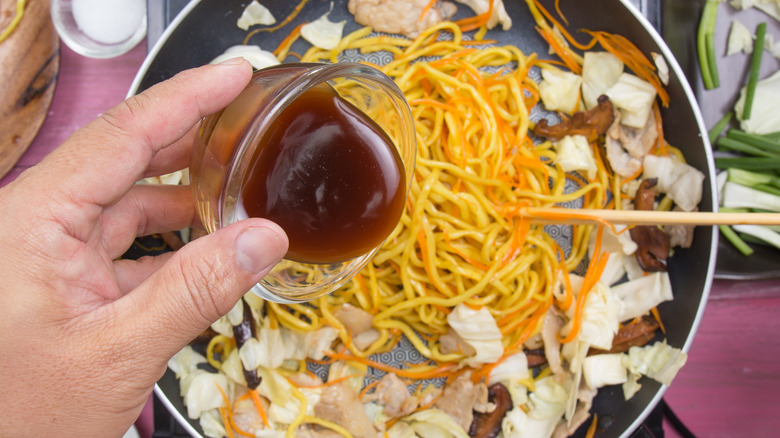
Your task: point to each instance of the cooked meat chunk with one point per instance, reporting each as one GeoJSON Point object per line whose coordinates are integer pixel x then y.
{"type": "Point", "coordinates": [680, 235]}
{"type": "Point", "coordinates": [392, 393]}
{"type": "Point", "coordinates": [626, 146]}
{"type": "Point", "coordinates": [400, 16]}
{"type": "Point", "coordinates": [460, 397]}
{"type": "Point", "coordinates": [590, 124]}
{"type": "Point", "coordinates": [340, 404]}
{"type": "Point", "coordinates": [451, 342]}
{"type": "Point", "coordinates": [356, 320]}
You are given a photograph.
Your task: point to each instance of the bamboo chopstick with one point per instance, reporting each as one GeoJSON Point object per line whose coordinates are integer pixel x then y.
{"type": "Point", "coordinates": [573, 216]}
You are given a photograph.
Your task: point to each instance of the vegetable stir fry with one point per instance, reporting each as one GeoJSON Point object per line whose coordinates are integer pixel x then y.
{"type": "Point", "coordinates": [471, 320]}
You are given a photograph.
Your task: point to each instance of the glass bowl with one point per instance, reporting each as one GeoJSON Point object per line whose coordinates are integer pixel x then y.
{"type": "Point", "coordinates": [229, 144]}
{"type": "Point", "coordinates": [100, 28]}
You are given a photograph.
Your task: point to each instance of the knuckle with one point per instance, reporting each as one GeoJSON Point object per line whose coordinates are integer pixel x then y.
{"type": "Point", "coordinates": [201, 277]}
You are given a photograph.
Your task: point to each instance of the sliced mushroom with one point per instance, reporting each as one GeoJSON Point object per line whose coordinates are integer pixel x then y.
{"type": "Point", "coordinates": [652, 243]}
{"type": "Point", "coordinates": [488, 424]}
{"type": "Point", "coordinates": [591, 123]}
{"type": "Point", "coordinates": [242, 333]}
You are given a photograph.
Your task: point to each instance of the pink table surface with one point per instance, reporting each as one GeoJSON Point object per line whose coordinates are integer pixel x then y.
{"type": "Point", "coordinates": [730, 386]}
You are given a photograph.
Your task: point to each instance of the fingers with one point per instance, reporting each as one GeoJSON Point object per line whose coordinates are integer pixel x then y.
{"type": "Point", "coordinates": [145, 210]}
{"type": "Point", "coordinates": [202, 281]}
{"type": "Point", "coordinates": [102, 160]}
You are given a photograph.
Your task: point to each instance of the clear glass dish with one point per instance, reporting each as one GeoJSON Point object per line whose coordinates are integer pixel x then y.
{"type": "Point", "coordinates": [100, 28]}
{"type": "Point", "coordinates": [227, 141]}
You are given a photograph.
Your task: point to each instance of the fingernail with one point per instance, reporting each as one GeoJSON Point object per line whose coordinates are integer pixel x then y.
{"type": "Point", "coordinates": [258, 249]}
{"type": "Point", "coordinates": [232, 61]}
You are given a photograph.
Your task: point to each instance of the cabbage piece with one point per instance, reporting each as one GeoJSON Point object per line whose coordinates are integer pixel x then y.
{"type": "Point", "coordinates": [253, 14]}
{"type": "Point", "coordinates": [185, 361]}
{"type": "Point", "coordinates": [600, 317]}
{"type": "Point", "coordinates": [764, 117]}
{"type": "Point", "coordinates": [634, 97]}
{"type": "Point", "coordinates": [574, 154]}
{"type": "Point", "coordinates": [633, 270]}
{"type": "Point", "coordinates": [318, 342]}
{"type": "Point", "coordinates": [604, 369]}
{"type": "Point", "coordinates": [264, 350]}
{"type": "Point", "coordinates": [233, 368]}
{"type": "Point", "coordinates": [499, 15]}
{"type": "Point", "coordinates": [662, 68]}
{"type": "Point", "coordinates": [559, 90]}
{"type": "Point", "coordinates": [274, 386]}
{"type": "Point", "coordinates": [211, 423]}
{"type": "Point", "coordinates": [342, 369]}
{"type": "Point", "coordinates": [204, 393]}
{"type": "Point", "coordinates": [434, 423]}
{"type": "Point", "coordinates": [600, 71]}
{"type": "Point", "coordinates": [286, 413]}
{"type": "Point", "coordinates": [400, 430]}
{"type": "Point", "coordinates": [740, 39]}
{"type": "Point", "coordinates": [639, 296]}
{"type": "Point", "coordinates": [682, 182]}
{"type": "Point", "coordinates": [770, 7]}
{"type": "Point", "coordinates": [323, 33]}
{"type": "Point", "coordinates": [256, 56]}
{"type": "Point", "coordinates": [513, 368]}
{"type": "Point", "coordinates": [542, 413]}
{"type": "Point", "coordinates": [478, 328]}
{"type": "Point", "coordinates": [659, 361]}
{"type": "Point", "coordinates": [618, 246]}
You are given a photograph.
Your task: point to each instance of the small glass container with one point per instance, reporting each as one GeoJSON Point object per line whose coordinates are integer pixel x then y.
{"type": "Point", "coordinates": [227, 141]}
{"type": "Point", "coordinates": [100, 28]}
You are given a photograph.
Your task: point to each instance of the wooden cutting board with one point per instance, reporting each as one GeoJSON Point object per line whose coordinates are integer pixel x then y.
{"type": "Point", "coordinates": [29, 62]}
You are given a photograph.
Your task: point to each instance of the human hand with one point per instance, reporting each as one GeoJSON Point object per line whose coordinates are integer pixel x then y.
{"type": "Point", "coordinates": [83, 336]}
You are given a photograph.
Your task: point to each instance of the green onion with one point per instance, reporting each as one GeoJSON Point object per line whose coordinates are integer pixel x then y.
{"type": "Point", "coordinates": [705, 45]}
{"type": "Point", "coordinates": [760, 141]}
{"type": "Point", "coordinates": [755, 66]}
{"type": "Point", "coordinates": [720, 126]}
{"type": "Point", "coordinates": [748, 163]}
{"type": "Point", "coordinates": [735, 240]}
{"type": "Point", "coordinates": [738, 146]}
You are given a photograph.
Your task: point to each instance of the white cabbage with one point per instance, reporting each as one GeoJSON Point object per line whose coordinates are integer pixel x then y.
{"type": "Point", "coordinates": [401, 430]}
{"type": "Point", "coordinates": [274, 386]}
{"type": "Point", "coordinates": [604, 369]}
{"type": "Point", "coordinates": [185, 361]}
{"type": "Point", "coordinates": [620, 246]}
{"type": "Point", "coordinates": [542, 413]}
{"type": "Point", "coordinates": [211, 423]}
{"type": "Point", "coordinates": [263, 351]}
{"type": "Point", "coordinates": [659, 361]}
{"type": "Point", "coordinates": [599, 317]}
{"type": "Point", "coordinates": [253, 14]}
{"type": "Point", "coordinates": [633, 270]}
{"type": "Point", "coordinates": [574, 154]}
{"type": "Point", "coordinates": [559, 90]}
{"type": "Point", "coordinates": [764, 116]}
{"type": "Point", "coordinates": [600, 71]}
{"type": "Point", "coordinates": [318, 342]}
{"type": "Point", "coordinates": [513, 368]}
{"type": "Point", "coordinates": [641, 295]}
{"type": "Point", "coordinates": [662, 68]}
{"type": "Point", "coordinates": [233, 368]}
{"type": "Point", "coordinates": [478, 328]}
{"type": "Point", "coordinates": [342, 369]}
{"type": "Point", "coordinates": [770, 7]}
{"type": "Point", "coordinates": [287, 413]}
{"type": "Point", "coordinates": [634, 97]}
{"type": "Point", "coordinates": [434, 423]}
{"type": "Point", "coordinates": [256, 56]}
{"type": "Point", "coordinates": [323, 33]}
{"type": "Point", "coordinates": [204, 393]}
{"type": "Point", "coordinates": [499, 15]}
{"type": "Point", "coordinates": [740, 39]}
{"type": "Point", "coordinates": [682, 182]}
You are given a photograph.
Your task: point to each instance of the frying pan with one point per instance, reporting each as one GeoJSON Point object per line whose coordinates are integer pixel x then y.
{"type": "Point", "coordinates": [205, 28]}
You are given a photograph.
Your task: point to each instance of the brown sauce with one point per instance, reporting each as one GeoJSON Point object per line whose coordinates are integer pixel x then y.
{"type": "Point", "coordinates": [329, 176]}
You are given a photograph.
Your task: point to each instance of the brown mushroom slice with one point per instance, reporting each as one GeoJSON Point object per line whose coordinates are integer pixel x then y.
{"type": "Point", "coordinates": [634, 334]}
{"type": "Point", "coordinates": [488, 424]}
{"type": "Point", "coordinates": [242, 333]}
{"type": "Point", "coordinates": [652, 243]}
{"type": "Point", "coordinates": [591, 123]}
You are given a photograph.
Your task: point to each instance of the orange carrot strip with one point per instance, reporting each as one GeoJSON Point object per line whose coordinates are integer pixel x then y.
{"type": "Point", "coordinates": [284, 22]}
{"type": "Point", "coordinates": [259, 406]}
{"type": "Point", "coordinates": [426, 9]}
{"type": "Point", "coordinates": [289, 40]}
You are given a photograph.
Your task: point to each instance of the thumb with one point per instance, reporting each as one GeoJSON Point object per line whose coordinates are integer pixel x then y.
{"type": "Point", "coordinates": [204, 280]}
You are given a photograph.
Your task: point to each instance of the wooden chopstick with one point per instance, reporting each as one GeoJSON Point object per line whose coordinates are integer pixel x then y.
{"type": "Point", "coordinates": [573, 216]}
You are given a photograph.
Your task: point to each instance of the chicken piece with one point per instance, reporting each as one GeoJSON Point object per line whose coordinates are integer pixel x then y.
{"type": "Point", "coordinates": [340, 404]}
{"type": "Point", "coordinates": [451, 342]}
{"type": "Point", "coordinates": [499, 15]}
{"type": "Point", "coordinates": [392, 393]}
{"type": "Point", "coordinates": [356, 320]}
{"type": "Point", "coordinates": [680, 235]}
{"type": "Point", "coordinates": [652, 243]}
{"type": "Point", "coordinates": [591, 123]}
{"type": "Point", "coordinates": [460, 397]}
{"type": "Point", "coordinates": [626, 147]}
{"type": "Point", "coordinates": [400, 16]}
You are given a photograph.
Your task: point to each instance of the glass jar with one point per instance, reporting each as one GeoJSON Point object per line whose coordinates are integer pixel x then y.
{"type": "Point", "coordinates": [227, 142]}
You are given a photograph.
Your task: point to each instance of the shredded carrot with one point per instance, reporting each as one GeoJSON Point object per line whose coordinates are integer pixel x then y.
{"type": "Point", "coordinates": [477, 21]}
{"type": "Point", "coordinates": [559, 50]}
{"type": "Point", "coordinates": [530, 327]}
{"type": "Point", "coordinates": [538, 11]}
{"type": "Point", "coordinates": [368, 387]}
{"type": "Point", "coordinates": [560, 14]}
{"type": "Point", "coordinates": [226, 422]}
{"type": "Point", "coordinates": [332, 382]}
{"type": "Point", "coordinates": [592, 428]}
{"type": "Point", "coordinates": [284, 22]}
{"type": "Point", "coordinates": [286, 43]}
{"type": "Point", "coordinates": [227, 417]}
{"type": "Point", "coordinates": [426, 9]}
{"type": "Point", "coordinates": [657, 317]}
{"type": "Point", "coordinates": [659, 126]}
{"type": "Point", "coordinates": [259, 406]}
